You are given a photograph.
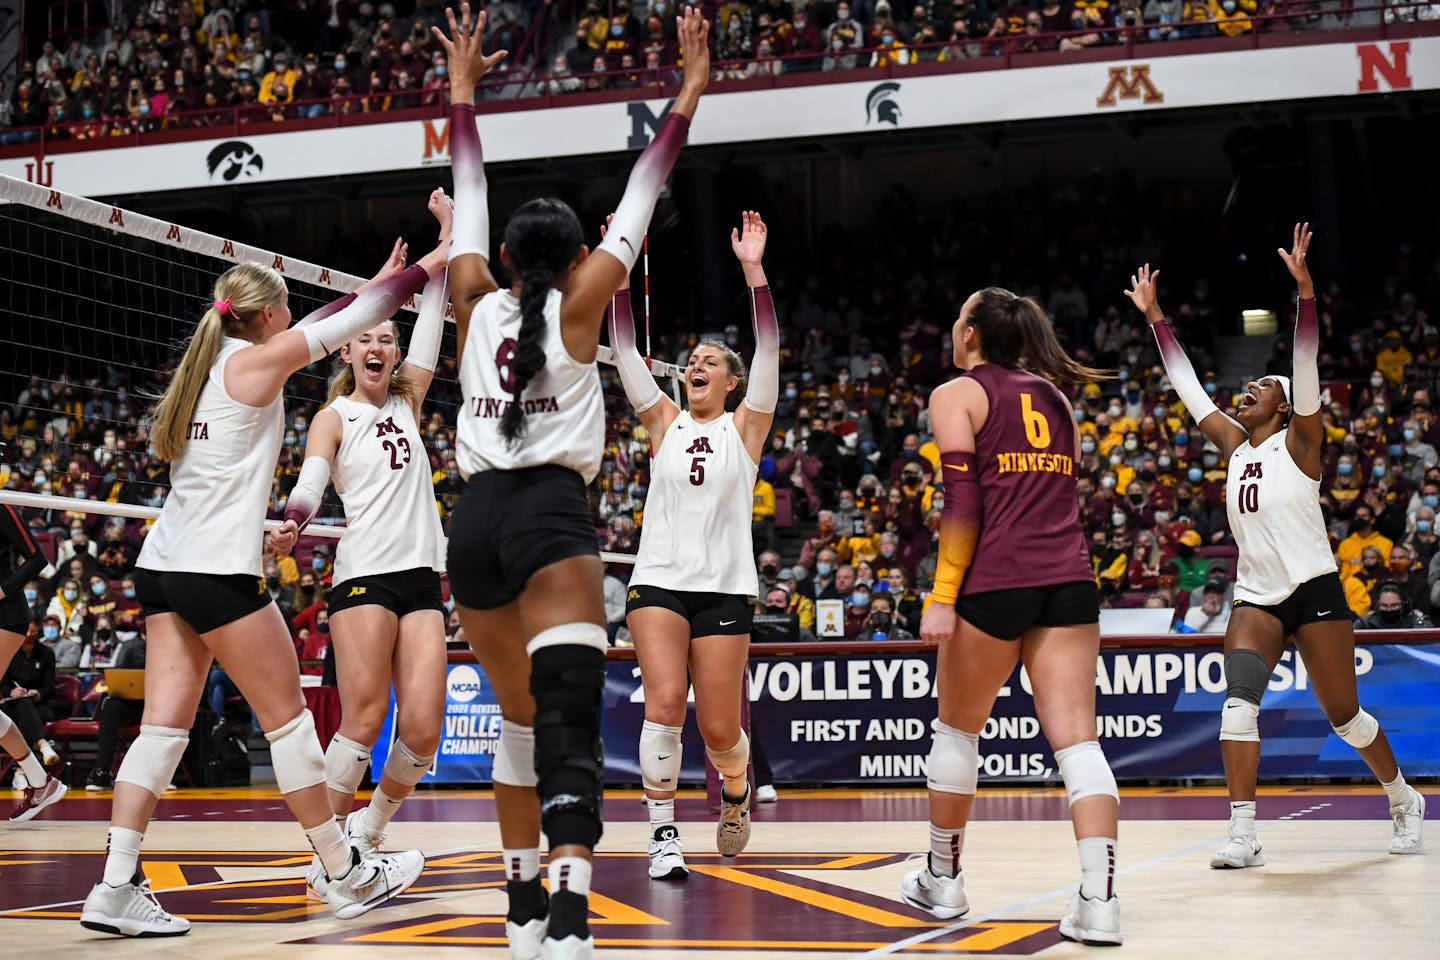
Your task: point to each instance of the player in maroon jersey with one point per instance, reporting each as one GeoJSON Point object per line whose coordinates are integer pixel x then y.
{"type": "Point", "coordinates": [1014, 581]}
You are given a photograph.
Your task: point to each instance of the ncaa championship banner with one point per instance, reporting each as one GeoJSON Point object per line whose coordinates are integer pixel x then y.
{"type": "Point", "coordinates": [469, 732]}
{"type": "Point", "coordinates": [866, 719]}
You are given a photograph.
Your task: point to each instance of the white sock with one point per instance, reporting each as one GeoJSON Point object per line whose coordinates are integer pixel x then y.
{"type": "Point", "coordinates": [945, 847]}
{"type": "Point", "coordinates": [1242, 818]}
{"type": "Point", "coordinates": [35, 772]}
{"type": "Point", "coordinates": [376, 816]}
{"type": "Point", "coordinates": [662, 812]}
{"type": "Point", "coordinates": [1097, 867]}
{"type": "Point", "coordinates": [1397, 790]}
{"type": "Point", "coordinates": [570, 873]}
{"type": "Point", "coordinates": [122, 853]}
{"type": "Point", "coordinates": [329, 842]}
{"type": "Point", "coordinates": [521, 864]}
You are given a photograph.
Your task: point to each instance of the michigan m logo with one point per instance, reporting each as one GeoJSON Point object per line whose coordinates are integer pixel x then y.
{"type": "Point", "coordinates": [1129, 83]}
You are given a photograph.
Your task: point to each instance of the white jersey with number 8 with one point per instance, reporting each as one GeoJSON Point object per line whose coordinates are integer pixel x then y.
{"type": "Point", "coordinates": [695, 536]}
{"type": "Point", "coordinates": [1274, 513]}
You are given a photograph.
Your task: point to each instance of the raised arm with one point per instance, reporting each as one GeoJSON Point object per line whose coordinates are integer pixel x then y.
{"type": "Point", "coordinates": [424, 354]}
{"type": "Point", "coordinates": [1307, 428]}
{"type": "Point", "coordinates": [1222, 430]}
{"type": "Point", "coordinates": [656, 410]}
{"type": "Point", "coordinates": [963, 512]}
{"type": "Point", "coordinates": [757, 413]}
{"type": "Point", "coordinates": [595, 281]}
{"type": "Point", "coordinates": [470, 277]}
{"type": "Point", "coordinates": [393, 265]}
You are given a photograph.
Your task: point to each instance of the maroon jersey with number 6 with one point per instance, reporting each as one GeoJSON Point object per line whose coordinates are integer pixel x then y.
{"type": "Point", "coordinates": [1030, 534]}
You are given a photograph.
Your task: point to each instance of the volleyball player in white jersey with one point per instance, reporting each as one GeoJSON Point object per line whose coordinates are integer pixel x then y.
{"type": "Point", "coordinates": [689, 602]}
{"type": "Point", "coordinates": [200, 582]}
{"type": "Point", "coordinates": [387, 618]}
{"type": "Point", "coordinates": [524, 568]}
{"type": "Point", "coordinates": [1286, 583]}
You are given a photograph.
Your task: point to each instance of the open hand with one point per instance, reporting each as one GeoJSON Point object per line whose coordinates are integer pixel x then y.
{"type": "Point", "coordinates": [1296, 259]}
{"type": "Point", "coordinates": [464, 50]}
{"type": "Point", "coordinates": [395, 262]}
{"type": "Point", "coordinates": [1142, 293]}
{"type": "Point", "coordinates": [748, 242]}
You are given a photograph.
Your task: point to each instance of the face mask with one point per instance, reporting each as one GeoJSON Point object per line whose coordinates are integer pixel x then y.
{"type": "Point", "coordinates": [1163, 462]}
{"type": "Point", "coordinates": [71, 594]}
{"type": "Point", "coordinates": [1182, 439]}
{"type": "Point", "coordinates": [104, 635]}
{"type": "Point", "coordinates": [859, 598]}
{"type": "Point", "coordinates": [1087, 446]}
{"type": "Point", "coordinates": [1079, 416]}
{"type": "Point", "coordinates": [1195, 474]}
{"type": "Point", "coordinates": [318, 563]}
{"type": "Point", "coordinates": [1159, 413]}
{"type": "Point", "coordinates": [323, 627]}
{"type": "Point", "coordinates": [887, 39]}
{"type": "Point", "coordinates": [616, 31]}
{"type": "Point", "coordinates": [52, 633]}
{"type": "Point", "coordinates": [1162, 516]}
{"type": "Point", "coordinates": [1117, 519]}
{"type": "Point", "coordinates": [339, 64]}
{"type": "Point", "coordinates": [1228, 6]}
{"type": "Point", "coordinates": [1409, 435]}
{"type": "Point", "coordinates": [1361, 524]}
{"type": "Point", "coordinates": [1377, 381]}
{"type": "Point", "coordinates": [1396, 450]}
{"type": "Point", "coordinates": [1345, 469]}
{"type": "Point", "coordinates": [1391, 617]}
{"type": "Point", "coordinates": [823, 569]}
{"type": "Point", "coordinates": [144, 109]}
{"type": "Point", "coordinates": [806, 376]}
{"type": "Point", "coordinates": [1108, 483]}
{"type": "Point", "coordinates": [291, 441]}
{"type": "Point", "coordinates": [1137, 498]}
{"type": "Point", "coordinates": [1210, 460]}
{"type": "Point", "coordinates": [129, 593]}
{"type": "Point", "coordinates": [1422, 526]}
{"type": "Point", "coordinates": [1147, 475]}
{"type": "Point", "coordinates": [442, 444]}
{"type": "Point", "coordinates": [98, 589]}
{"type": "Point", "coordinates": [1430, 500]}
{"type": "Point", "coordinates": [887, 550]}
{"type": "Point", "coordinates": [1115, 411]}
{"type": "Point", "coordinates": [31, 596]}
{"type": "Point", "coordinates": [1132, 445]}
{"type": "Point", "coordinates": [1378, 470]}
{"type": "Point", "coordinates": [1116, 459]}
{"type": "Point", "coordinates": [791, 393]}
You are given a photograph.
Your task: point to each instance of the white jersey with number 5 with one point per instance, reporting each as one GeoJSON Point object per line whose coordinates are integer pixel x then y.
{"type": "Point", "coordinates": [564, 409]}
{"type": "Point", "coordinates": [1274, 512]}
{"type": "Point", "coordinates": [695, 535]}
{"type": "Point", "coordinates": [382, 474]}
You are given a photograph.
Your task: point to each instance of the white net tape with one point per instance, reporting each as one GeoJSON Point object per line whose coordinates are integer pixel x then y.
{"type": "Point", "coordinates": [95, 304]}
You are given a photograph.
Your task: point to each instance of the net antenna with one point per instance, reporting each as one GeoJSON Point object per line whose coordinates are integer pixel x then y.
{"type": "Point", "coordinates": [95, 304]}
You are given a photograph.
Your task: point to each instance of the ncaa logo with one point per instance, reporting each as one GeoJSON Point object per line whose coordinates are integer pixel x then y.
{"type": "Point", "coordinates": [463, 684]}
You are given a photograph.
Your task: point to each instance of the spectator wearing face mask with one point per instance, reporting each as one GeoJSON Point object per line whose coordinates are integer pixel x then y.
{"type": "Point", "coordinates": [821, 585]}
{"type": "Point", "coordinates": [857, 607]}
{"type": "Point", "coordinates": [843, 35]}
{"type": "Point", "coordinates": [1402, 570]}
{"type": "Point", "coordinates": [1111, 561]}
{"type": "Point", "coordinates": [889, 51]}
{"type": "Point", "coordinates": [862, 546]}
{"type": "Point", "coordinates": [1392, 359]}
{"type": "Point", "coordinates": [35, 603]}
{"type": "Point", "coordinates": [826, 535]}
{"type": "Point", "coordinates": [101, 601]}
{"type": "Point", "coordinates": [1192, 569]}
{"type": "Point", "coordinates": [1417, 456]}
{"type": "Point", "coordinates": [1393, 612]}
{"type": "Point", "coordinates": [882, 624]}
{"type": "Point", "coordinates": [799, 604]}
{"type": "Point", "coordinates": [1363, 535]}
{"type": "Point", "coordinates": [1422, 541]}
{"type": "Point", "coordinates": [314, 638]}
{"type": "Point", "coordinates": [68, 607]}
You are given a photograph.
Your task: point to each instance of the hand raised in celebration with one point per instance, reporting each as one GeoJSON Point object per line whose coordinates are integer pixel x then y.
{"type": "Point", "coordinates": [748, 242]}
{"type": "Point", "coordinates": [1296, 259]}
{"type": "Point", "coordinates": [694, 32]}
{"type": "Point", "coordinates": [1142, 293]}
{"type": "Point", "coordinates": [464, 51]}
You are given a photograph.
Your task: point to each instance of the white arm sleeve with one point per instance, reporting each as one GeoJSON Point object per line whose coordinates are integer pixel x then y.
{"type": "Point", "coordinates": [1182, 374]}
{"type": "Point", "coordinates": [471, 231]}
{"type": "Point", "coordinates": [642, 191]}
{"type": "Point", "coordinates": [430, 325]}
{"type": "Point", "coordinates": [640, 387]}
{"type": "Point", "coordinates": [326, 336]}
{"type": "Point", "coordinates": [309, 491]}
{"type": "Point", "coordinates": [763, 390]}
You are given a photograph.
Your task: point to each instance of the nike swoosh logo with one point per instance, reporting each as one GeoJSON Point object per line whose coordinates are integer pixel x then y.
{"type": "Point", "coordinates": [354, 418]}
{"type": "Point", "coordinates": [726, 623]}
{"type": "Point", "coordinates": [963, 467]}
{"type": "Point", "coordinates": [361, 759]}
{"type": "Point", "coordinates": [1322, 613]}
{"type": "Point", "coordinates": [666, 756]}
{"type": "Point", "coordinates": [628, 244]}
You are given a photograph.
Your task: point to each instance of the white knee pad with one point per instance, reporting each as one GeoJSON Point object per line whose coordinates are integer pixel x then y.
{"type": "Point", "coordinates": [954, 764]}
{"type": "Point", "coordinates": [345, 764]}
{"type": "Point", "coordinates": [732, 762]}
{"type": "Point", "coordinates": [5, 723]}
{"type": "Point", "coordinates": [152, 758]}
{"type": "Point", "coordinates": [515, 757]}
{"type": "Point", "coordinates": [1240, 720]}
{"type": "Point", "coordinates": [295, 754]}
{"type": "Point", "coordinates": [1360, 730]}
{"type": "Point", "coordinates": [1085, 771]}
{"type": "Point", "coordinates": [660, 756]}
{"type": "Point", "coordinates": [570, 634]}
{"type": "Point", "coordinates": [406, 766]}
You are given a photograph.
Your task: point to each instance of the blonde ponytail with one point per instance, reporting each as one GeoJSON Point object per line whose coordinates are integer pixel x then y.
{"type": "Point", "coordinates": [247, 288]}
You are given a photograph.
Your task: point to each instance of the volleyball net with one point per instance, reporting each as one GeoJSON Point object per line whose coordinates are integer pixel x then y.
{"type": "Point", "coordinates": [95, 309]}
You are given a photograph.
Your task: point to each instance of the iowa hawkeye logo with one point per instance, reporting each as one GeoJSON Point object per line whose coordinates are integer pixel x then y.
{"type": "Point", "coordinates": [1129, 83]}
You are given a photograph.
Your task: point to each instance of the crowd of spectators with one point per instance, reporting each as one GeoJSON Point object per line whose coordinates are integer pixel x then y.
{"type": "Point", "coordinates": [195, 63]}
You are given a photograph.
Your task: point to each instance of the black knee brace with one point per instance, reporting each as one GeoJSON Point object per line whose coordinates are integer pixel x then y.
{"type": "Point", "coordinates": [568, 684]}
{"type": "Point", "coordinates": [1246, 675]}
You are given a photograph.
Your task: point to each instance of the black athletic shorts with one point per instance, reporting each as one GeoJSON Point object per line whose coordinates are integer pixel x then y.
{"type": "Point", "coordinates": [709, 614]}
{"type": "Point", "coordinates": [14, 616]}
{"type": "Point", "coordinates": [1314, 601]}
{"type": "Point", "coordinates": [402, 592]}
{"type": "Point", "coordinates": [511, 523]}
{"type": "Point", "coordinates": [206, 601]}
{"type": "Point", "coordinates": [1007, 614]}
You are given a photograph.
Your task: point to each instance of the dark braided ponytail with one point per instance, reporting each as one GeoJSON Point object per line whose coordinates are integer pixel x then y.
{"type": "Point", "coordinates": [542, 239]}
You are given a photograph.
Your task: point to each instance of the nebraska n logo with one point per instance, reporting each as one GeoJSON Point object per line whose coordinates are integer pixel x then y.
{"type": "Point", "coordinates": [1129, 83]}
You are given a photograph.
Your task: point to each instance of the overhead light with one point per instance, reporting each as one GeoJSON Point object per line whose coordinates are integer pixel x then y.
{"type": "Point", "coordinates": [1258, 323]}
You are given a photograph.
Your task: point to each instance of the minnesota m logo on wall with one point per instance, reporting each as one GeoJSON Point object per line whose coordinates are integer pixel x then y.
{"type": "Point", "coordinates": [1129, 83]}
